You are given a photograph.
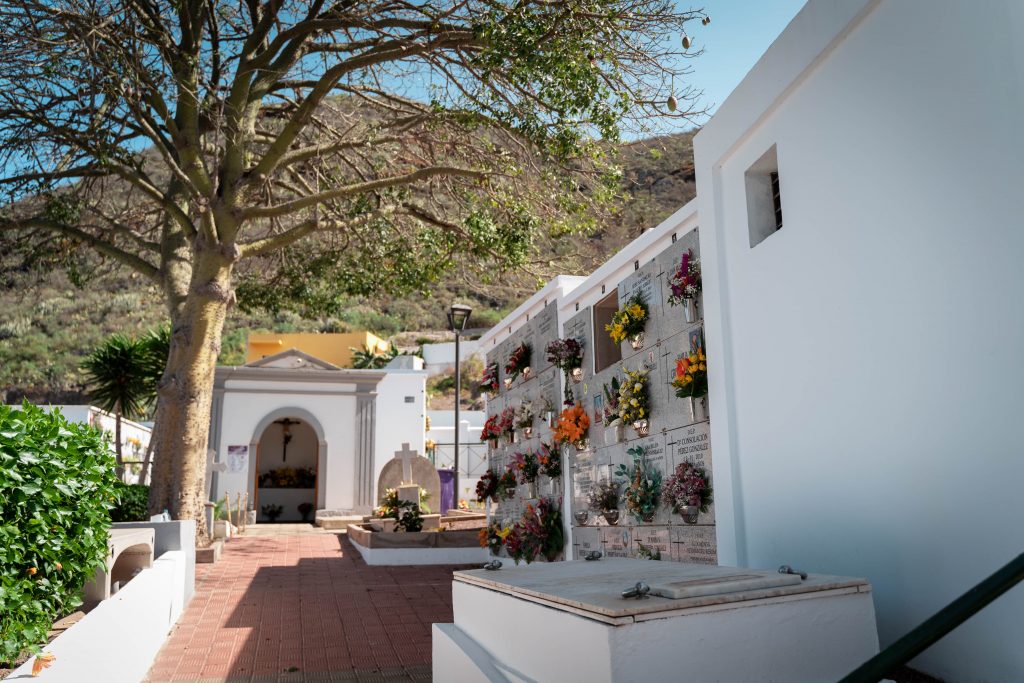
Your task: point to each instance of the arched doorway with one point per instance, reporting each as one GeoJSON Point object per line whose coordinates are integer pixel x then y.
{"type": "Point", "coordinates": [287, 470]}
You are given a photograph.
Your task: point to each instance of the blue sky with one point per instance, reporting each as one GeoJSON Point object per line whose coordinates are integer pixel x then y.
{"type": "Point", "coordinates": [739, 33]}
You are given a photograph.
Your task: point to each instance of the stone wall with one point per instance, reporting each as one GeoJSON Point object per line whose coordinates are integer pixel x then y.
{"type": "Point", "coordinates": [673, 438]}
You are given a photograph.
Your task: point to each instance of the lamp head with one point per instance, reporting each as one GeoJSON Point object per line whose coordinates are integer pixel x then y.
{"type": "Point", "coordinates": [458, 316]}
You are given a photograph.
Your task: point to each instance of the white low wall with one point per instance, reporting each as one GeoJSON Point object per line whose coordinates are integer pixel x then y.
{"type": "Point", "coordinates": [421, 556]}
{"type": "Point", "coordinates": [118, 640]}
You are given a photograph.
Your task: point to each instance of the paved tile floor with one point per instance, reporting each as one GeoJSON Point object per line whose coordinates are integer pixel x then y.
{"type": "Point", "coordinates": [300, 604]}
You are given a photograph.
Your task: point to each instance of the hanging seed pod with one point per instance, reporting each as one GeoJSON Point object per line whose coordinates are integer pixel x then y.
{"type": "Point", "coordinates": [686, 42]}
{"type": "Point", "coordinates": [706, 20]}
{"type": "Point", "coordinates": [673, 104]}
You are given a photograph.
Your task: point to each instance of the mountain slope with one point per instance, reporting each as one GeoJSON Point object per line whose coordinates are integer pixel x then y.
{"type": "Point", "coordinates": [48, 324]}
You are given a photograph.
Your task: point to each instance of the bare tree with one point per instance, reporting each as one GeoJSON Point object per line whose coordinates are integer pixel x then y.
{"type": "Point", "coordinates": [298, 149]}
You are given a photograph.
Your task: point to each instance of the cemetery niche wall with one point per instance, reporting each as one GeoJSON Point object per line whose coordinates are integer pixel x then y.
{"type": "Point", "coordinates": [640, 484]}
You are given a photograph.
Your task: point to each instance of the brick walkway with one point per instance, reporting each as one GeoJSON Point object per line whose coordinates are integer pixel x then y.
{"type": "Point", "coordinates": [305, 607]}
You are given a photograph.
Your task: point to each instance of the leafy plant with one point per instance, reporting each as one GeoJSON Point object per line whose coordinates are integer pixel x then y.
{"type": "Point", "coordinates": [57, 485]}
{"type": "Point", "coordinates": [565, 354]}
{"type": "Point", "coordinates": [685, 282]}
{"type": "Point", "coordinates": [611, 402]}
{"type": "Point", "coordinates": [550, 461]}
{"type": "Point", "coordinates": [527, 465]}
{"type": "Point", "coordinates": [628, 321]}
{"type": "Point", "coordinates": [538, 532]}
{"type": "Point", "coordinates": [272, 511]}
{"type": "Point", "coordinates": [688, 485]}
{"type": "Point", "coordinates": [524, 415]}
{"type": "Point", "coordinates": [410, 519]}
{"type": "Point", "coordinates": [117, 374]}
{"type": "Point", "coordinates": [634, 397]}
{"type": "Point", "coordinates": [643, 486]}
{"type": "Point", "coordinates": [691, 378]}
{"type": "Point", "coordinates": [131, 503]}
{"type": "Point", "coordinates": [604, 496]}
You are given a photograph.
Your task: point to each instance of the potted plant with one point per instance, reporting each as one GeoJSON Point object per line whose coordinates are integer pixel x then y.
{"type": "Point", "coordinates": [612, 423]}
{"type": "Point", "coordinates": [629, 322]}
{"type": "Point", "coordinates": [304, 510]}
{"type": "Point", "coordinates": [686, 285]}
{"type": "Point", "coordinates": [489, 381]}
{"type": "Point", "coordinates": [691, 381]}
{"type": "Point", "coordinates": [634, 401]}
{"type": "Point", "coordinates": [527, 467]}
{"type": "Point", "coordinates": [538, 532]}
{"type": "Point", "coordinates": [550, 461]}
{"type": "Point", "coordinates": [581, 517]}
{"type": "Point", "coordinates": [493, 537]}
{"type": "Point", "coordinates": [643, 487]}
{"type": "Point", "coordinates": [491, 431]}
{"type": "Point", "coordinates": [271, 511]}
{"type": "Point", "coordinates": [572, 427]}
{"type": "Point", "coordinates": [507, 484]}
{"type": "Point", "coordinates": [524, 418]}
{"type": "Point", "coordinates": [567, 355]}
{"type": "Point", "coordinates": [507, 425]}
{"type": "Point", "coordinates": [518, 363]}
{"type": "Point", "coordinates": [604, 498]}
{"type": "Point", "coordinates": [549, 412]}
{"type": "Point", "coordinates": [487, 487]}
{"type": "Point", "coordinates": [688, 491]}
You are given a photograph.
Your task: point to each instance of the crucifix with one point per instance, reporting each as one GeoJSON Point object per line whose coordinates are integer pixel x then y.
{"type": "Point", "coordinates": [286, 435]}
{"type": "Point", "coordinates": [406, 455]}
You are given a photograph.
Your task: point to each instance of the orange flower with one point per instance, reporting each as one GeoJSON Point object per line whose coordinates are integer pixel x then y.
{"type": "Point", "coordinates": [32, 571]}
{"type": "Point", "coordinates": [41, 662]}
{"type": "Point", "coordinates": [682, 365]}
{"type": "Point", "coordinates": [58, 566]}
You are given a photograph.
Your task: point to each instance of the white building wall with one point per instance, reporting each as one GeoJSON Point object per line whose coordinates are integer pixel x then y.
{"type": "Point", "coordinates": [440, 358]}
{"type": "Point", "coordinates": [399, 421]}
{"type": "Point", "coordinates": [243, 412]}
{"type": "Point", "coordinates": [865, 360]}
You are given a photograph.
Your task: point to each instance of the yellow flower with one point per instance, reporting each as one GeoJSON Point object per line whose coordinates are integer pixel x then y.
{"type": "Point", "coordinates": [703, 367]}
{"type": "Point", "coordinates": [641, 412]}
{"type": "Point", "coordinates": [503, 533]}
{"type": "Point", "coordinates": [633, 402]}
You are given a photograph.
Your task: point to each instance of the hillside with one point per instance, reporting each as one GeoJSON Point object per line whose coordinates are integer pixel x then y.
{"type": "Point", "coordinates": [49, 324]}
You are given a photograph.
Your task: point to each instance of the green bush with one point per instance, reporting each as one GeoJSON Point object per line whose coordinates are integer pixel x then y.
{"type": "Point", "coordinates": [132, 503]}
{"type": "Point", "coordinates": [56, 487]}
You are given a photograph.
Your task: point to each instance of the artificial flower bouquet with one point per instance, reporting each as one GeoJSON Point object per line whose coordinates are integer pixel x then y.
{"type": "Point", "coordinates": [629, 321]}
{"type": "Point", "coordinates": [685, 283]}
{"type": "Point", "coordinates": [643, 486]}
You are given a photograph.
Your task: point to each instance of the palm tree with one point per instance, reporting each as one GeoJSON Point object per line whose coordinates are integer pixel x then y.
{"type": "Point", "coordinates": [118, 378]}
{"type": "Point", "coordinates": [157, 343]}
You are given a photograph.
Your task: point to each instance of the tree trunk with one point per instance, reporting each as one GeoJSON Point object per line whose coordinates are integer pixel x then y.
{"type": "Point", "coordinates": [185, 392]}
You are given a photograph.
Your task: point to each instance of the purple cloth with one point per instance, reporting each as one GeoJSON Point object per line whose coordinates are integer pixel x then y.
{"type": "Point", "coordinates": [447, 490]}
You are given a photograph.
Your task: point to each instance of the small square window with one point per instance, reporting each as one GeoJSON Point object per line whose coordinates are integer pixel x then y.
{"type": "Point", "coordinates": [606, 352]}
{"type": "Point", "coordinates": [764, 197]}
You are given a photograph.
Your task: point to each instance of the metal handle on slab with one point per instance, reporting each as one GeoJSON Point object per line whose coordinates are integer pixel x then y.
{"type": "Point", "coordinates": [592, 555]}
{"type": "Point", "coordinates": [493, 565]}
{"type": "Point", "coordinates": [786, 569]}
{"type": "Point", "coordinates": [639, 591]}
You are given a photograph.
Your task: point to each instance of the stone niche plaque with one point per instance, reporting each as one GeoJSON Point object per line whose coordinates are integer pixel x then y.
{"type": "Point", "coordinates": [617, 541]}
{"type": "Point", "coordinates": [655, 539]}
{"type": "Point", "coordinates": [690, 444]}
{"type": "Point", "coordinates": [584, 540]}
{"type": "Point", "coordinates": [545, 330]}
{"type": "Point", "coordinates": [695, 544]}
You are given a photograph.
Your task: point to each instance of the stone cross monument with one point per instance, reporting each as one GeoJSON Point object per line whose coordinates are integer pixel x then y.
{"type": "Point", "coordinates": [408, 490]}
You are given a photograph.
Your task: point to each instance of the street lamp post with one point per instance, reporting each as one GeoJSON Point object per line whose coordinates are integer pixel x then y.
{"type": "Point", "coordinates": [458, 316]}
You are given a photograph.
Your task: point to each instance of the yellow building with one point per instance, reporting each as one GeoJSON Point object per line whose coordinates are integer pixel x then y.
{"type": "Point", "coordinates": [335, 348]}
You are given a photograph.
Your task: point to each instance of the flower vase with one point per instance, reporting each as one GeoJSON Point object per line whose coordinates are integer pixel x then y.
{"type": "Point", "coordinates": [531, 490]}
{"type": "Point", "coordinates": [637, 341]}
{"type": "Point", "coordinates": [581, 517]}
{"type": "Point", "coordinates": [690, 310]}
{"type": "Point", "coordinates": [551, 418]}
{"type": "Point", "coordinates": [582, 444]}
{"type": "Point", "coordinates": [527, 371]}
{"type": "Point", "coordinates": [527, 432]}
{"type": "Point", "coordinates": [699, 408]}
{"type": "Point", "coordinates": [689, 513]}
{"type": "Point", "coordinates": [508, 382]}
{"type": "Point", "coordinates": [647, 517]}
{"type": "Point", "coordinates": [642, 427]}
{"type": "Point", "coordinates": [611, 516]}
{"type": "Point", "coordinates": [493, 442]}
{"type": "Point", "coordinates": [576, 375]}
{"type": "Point", "coordinates": [510, 437]}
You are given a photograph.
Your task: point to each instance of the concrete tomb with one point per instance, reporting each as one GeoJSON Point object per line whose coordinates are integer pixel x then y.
{"type": "Point", "coordinates": [408, 472]}
{"type": "Point", "coordinates": [573, 621]}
